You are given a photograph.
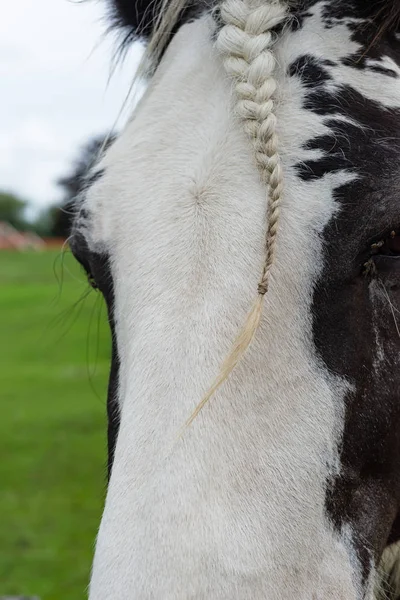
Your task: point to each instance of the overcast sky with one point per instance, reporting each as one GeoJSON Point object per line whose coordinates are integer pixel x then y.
{"type": "Point", "coordinates": [54, 91]}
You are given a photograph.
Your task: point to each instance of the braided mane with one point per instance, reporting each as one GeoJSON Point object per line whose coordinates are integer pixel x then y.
{"type": "Point", "coordinates": [245, 42]}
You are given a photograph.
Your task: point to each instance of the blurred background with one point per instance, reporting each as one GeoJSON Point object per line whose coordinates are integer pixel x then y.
{"type": "Point", "coordinates": [61, 95]}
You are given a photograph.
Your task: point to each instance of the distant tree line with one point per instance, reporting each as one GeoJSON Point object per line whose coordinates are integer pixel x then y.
{"type": "Point", "coordinates": [12, 210]}
{"type": "Point", "coordinates": [55, 220]}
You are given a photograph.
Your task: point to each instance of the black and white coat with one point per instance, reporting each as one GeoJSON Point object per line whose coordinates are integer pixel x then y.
{"type": "Point", "coordinates": [287, 486]}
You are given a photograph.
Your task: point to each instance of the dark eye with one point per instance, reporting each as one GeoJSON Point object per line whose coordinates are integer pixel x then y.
{"type": "Point", "coordinates": [92, 281]}
{"type": "Point", "coordinates": [389, 246]}
{"type": "Point", "coordinates": [385, 255]}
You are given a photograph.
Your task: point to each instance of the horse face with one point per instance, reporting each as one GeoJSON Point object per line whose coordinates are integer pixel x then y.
{"type": "Point", "coordinates": [288, 483]}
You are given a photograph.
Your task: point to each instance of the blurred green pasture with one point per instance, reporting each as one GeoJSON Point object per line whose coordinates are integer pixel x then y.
{"type": "Point", "coordinates": [54, 359]}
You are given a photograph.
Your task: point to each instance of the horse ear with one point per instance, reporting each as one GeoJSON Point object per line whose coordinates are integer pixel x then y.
{"type": "Point", "coordinates": [135, 17]}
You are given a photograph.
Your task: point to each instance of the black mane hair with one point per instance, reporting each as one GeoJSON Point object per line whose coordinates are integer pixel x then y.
{"type": "Point", "coordinates": [387, 14]}
{"type": "Point", "coordinates": [136, 18]}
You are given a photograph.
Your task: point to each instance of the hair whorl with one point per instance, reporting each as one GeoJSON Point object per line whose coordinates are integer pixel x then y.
{"type": "Point", "coordinates": [245, 42]}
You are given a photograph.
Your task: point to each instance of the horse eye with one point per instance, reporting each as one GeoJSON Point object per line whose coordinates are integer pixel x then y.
{"type": "Point", "coordinates": [92, 281]}
{"type": "Point", "coordinates": [389, 246]}
{"type": "Point", "coordinates": [385, 256]}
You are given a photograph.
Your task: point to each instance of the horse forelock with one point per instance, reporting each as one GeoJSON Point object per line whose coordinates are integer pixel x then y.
{"type": "Point", "coordinates": [138, 20]}
{"type": "Point", "coordinates": [305, 415]}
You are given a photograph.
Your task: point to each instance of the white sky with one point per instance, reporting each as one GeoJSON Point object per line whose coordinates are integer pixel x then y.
{"type": "Point", "coordinates": [54, 91]}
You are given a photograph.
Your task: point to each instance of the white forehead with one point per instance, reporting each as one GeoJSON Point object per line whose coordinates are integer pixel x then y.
{"type": "Point", "coordinates": [166, 141]}
{"type": "Point", "coordinates": [182, 213]}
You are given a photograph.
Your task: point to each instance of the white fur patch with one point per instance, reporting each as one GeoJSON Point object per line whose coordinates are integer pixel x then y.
{"type": "Point", "coordinates": [235, 510]}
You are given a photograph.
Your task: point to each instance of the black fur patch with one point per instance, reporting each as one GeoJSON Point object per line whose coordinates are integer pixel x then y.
{"type": "Point", "coordinates": [97, 268]}
{"type": "Point", "coordinates": [311, 71]}
{"type": "Point", "coordinates": [351, 312]}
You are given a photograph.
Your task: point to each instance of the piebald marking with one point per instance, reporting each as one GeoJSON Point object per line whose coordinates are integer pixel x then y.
{"type": "Point", "coordinates": [184, 245]}
{"type": "Point", "coordinates": [262, 498]}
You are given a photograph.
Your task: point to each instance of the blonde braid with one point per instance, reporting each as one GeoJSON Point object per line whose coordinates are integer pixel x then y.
{"type": "Point", "coordinates": [245, 42]}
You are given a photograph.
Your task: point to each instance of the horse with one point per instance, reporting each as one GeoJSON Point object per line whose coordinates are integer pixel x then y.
{"type": "Point", "coordinates": [244, 230]}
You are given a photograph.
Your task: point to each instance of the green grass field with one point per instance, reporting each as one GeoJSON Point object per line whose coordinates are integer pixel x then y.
{"type": "Point", "coordinates": [54, 359]}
